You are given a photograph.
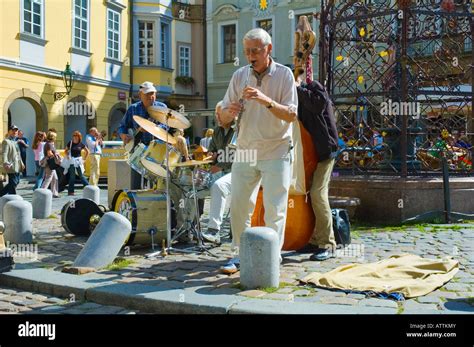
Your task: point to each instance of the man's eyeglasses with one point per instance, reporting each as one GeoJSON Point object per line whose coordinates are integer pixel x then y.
{"type": "Point", "coordinates": [253, 50]}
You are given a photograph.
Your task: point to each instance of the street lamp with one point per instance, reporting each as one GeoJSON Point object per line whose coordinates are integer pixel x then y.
{"type": "Point", "coordinates": [68, 80]}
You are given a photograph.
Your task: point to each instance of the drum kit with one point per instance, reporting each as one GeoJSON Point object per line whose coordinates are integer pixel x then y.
{"type": "Point", "coordinates": [168, 209]}
{"type": "Point", "coordinates": [176, 187]}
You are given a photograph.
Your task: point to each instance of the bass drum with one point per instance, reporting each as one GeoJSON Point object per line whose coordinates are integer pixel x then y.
{"type": "Point", "coordinates": [300, 218]}
{"type": "Point", "coordinates": [146, 211]}
{"type": "Point", "coordinates": [76, 214]}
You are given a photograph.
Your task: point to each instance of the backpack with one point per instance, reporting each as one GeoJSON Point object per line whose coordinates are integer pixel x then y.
{"type": "Point", "coordinates": [341, 226]}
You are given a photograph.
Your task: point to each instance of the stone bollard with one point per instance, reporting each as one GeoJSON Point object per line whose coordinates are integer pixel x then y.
{"type": "Point", "coordinates": [259, 258]}
{"type": "Point", "coordinates": [18, 222]}
{"type": "Point", "coordinates": [42, 203]}
{"type": "Point", "coordinates": [92, 193]}
{"type": "Point", "coordinates": [105, 242]}
{"type": "Point", "coordinates": [6, 198]}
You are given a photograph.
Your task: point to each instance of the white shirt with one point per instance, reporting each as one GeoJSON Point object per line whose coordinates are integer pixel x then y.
{"type": "Point", "coordinates": [92, 145]}
{"type": "Point", "coordinates": [259, 129]}
{"type": "Point", "coordinates": [39, 151]}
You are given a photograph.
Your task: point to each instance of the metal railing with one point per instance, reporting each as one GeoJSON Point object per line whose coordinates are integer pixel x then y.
{"type": "Point", "coordinates": [401, 78]}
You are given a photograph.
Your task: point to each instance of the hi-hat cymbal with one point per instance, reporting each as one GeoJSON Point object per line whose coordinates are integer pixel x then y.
{"type": "Point", "coordinates": [153, 167]}
{"type": "Point", "coordinates": [191, 163]}
{"type": "Point", "coordinates": [167, 116]}
{"type": "Point", "coordinates": [155, 130]}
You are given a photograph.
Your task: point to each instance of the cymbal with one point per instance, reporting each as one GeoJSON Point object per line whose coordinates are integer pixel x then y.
{"type": "Point", "coordinates": [175, 119]}
{"type": "Point", "coordinates": [155, 130]}
{"type": "Point", "coordinates": [155, 168]}
{"type": "Point", "coordinates": [191, 163]}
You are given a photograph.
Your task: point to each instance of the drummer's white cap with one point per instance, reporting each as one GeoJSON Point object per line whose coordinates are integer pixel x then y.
{"type": "Point", "coordinates": [147, 87]}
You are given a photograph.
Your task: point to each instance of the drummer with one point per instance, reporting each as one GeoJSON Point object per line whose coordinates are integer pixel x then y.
{"type": "Point", "coordinates": [129, 130]}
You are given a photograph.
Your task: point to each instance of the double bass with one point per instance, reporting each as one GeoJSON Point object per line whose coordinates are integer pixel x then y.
{"type": "Point", "coordinates": [300, 217]}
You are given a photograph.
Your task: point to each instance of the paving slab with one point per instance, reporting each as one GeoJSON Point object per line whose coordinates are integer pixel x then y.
{"type": "Point", "coordinates": [373, 302]}
{"type": "Point", "coordinates": [51, 282]}
{"type": "Point", "coordinates": [149, 299]}
{"type": "Point", "coordinates": [262, 306]}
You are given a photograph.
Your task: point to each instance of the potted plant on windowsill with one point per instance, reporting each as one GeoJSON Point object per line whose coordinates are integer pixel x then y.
{"type": "Point", "coordinates": [185, 80]}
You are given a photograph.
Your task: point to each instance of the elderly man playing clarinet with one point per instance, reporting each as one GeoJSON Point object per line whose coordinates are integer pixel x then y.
{"type": "Point", "coordinates": [263, 96]}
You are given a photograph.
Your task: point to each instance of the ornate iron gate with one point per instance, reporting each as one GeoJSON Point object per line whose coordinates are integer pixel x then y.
{"type": "Point", "coordinates": [401, 77]}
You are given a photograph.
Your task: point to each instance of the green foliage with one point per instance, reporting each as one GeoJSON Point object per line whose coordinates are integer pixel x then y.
{"type": "Point", "coordinates": [119, 263]}
{"type": "Point", "coordinates": [184, 80]}
{"type": "Point", "coordinates": [274, 289]}
{"type": "Point", "coordinates": [436, 225]}
{"type": "Point", "coordinates": [400, 309]}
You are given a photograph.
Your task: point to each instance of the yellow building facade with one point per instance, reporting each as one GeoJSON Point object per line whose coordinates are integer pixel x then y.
{"type": "Point", "coordinates": [37, 39]}
{"type": "Point", "coordinates": [152, 31]}
{"type": "Point", "coordinates": [111, 45]}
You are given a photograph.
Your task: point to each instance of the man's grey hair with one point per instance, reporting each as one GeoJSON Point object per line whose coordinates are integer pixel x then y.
{"type": "Point", "coordinates": [219, 104]}
{"type": "Point", "coordinates": [259, 34]}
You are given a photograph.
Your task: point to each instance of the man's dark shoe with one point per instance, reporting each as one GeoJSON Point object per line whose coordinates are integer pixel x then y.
{"type": "Point", "coordinates": [309, 248]}
{"type": "Point", "coordinates": [321, 254]}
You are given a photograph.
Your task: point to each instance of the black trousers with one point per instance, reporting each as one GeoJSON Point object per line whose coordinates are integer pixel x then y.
{"type": "Point", "coordinates": [10, 188]}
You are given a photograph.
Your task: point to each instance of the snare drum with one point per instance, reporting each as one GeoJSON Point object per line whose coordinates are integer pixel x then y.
{"type": "Point", "coordinates": [185, 176]}
{"type": "Point", "coordinates": [202, 179]}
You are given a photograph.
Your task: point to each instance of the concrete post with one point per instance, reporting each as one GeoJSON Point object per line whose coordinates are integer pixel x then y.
{"type": "Point", "coordinates": [18, 222]}
{"type": "Point", "coordinates": [42, 203]}
{"type": "Point", "coordinates": [6, 198]}
{"type": "Point", "coordinates": [259, 258]}
{"type": "Point", "coordinates": [92, 193]}
{"type": "Point", "coordinates": [105, 242]}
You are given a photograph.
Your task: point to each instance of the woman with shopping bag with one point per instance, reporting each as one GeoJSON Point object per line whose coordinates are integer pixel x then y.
{"type": "Point", "coordinates": [74, 159]}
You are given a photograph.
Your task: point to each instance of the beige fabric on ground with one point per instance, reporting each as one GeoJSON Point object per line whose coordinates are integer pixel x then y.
{"type": "Point", "coordinates": [408, 274]}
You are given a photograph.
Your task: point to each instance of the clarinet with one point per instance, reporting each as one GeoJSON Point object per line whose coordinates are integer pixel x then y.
{"type": "Point", "coordinates": [233, 141]}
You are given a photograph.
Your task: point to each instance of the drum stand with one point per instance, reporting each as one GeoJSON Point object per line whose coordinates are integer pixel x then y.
{"type": "Point", "coordinates": [188, 225]}
{"type": "Point", "coordinates": [197, 228]}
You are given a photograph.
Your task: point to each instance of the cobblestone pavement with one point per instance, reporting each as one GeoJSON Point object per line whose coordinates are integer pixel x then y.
{"type": "Point", "coordinates": [13, 301]}
{"type": "Point", "coordinates": [200, 272]}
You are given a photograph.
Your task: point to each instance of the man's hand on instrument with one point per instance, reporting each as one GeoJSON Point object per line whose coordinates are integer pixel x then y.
{"type": "Point", "coordinates": [250, 93]}
{"type": "Point", "coordinates": [126, 138]}
{"type": "Point", "coordinates": [234, 108]}
{"type": "Point", "coordinates": [299, 80]}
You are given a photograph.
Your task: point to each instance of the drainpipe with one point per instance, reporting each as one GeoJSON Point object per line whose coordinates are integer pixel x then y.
{"type": "Point", "coordinates": [130, 6]}
{"type": "Point", "coordinates": [204, 52]}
